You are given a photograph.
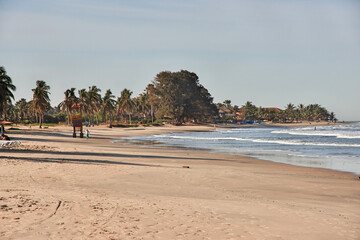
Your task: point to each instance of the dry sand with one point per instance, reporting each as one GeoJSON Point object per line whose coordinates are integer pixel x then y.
{"type": "Point", "coordinates": [56, 187]}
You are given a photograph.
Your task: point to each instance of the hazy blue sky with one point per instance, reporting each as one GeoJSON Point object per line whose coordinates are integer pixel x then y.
{"type": "Point", "coordinates": [267, 52]}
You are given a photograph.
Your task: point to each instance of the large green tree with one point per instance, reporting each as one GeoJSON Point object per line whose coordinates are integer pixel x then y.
{"type": "Point", "coordinates": [181, 96]}
{"type": "Point", "coordinates": [6, 90]}
{"type": "Point", "coordinates": [41, 100]}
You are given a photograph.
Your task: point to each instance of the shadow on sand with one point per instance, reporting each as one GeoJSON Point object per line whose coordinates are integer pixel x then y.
{"type": "Point", "coordinates": [75, 161]}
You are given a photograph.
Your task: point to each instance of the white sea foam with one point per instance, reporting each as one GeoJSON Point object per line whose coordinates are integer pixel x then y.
{"type": "Point", "coordinates": [325, 134]}
{"type": "Point", "coordinates": [334, 147]}
{"type": "Point", "coordinates": [259, 140]}
{"type": "Point", "coordinates": [349, 135]}
{"type": "Point", "coordinates": [207, 138]}
{"type": "Point", "coordinates": [299, 143]}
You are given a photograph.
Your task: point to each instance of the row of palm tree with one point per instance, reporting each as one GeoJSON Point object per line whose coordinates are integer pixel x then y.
{"type": "Point", "coordinates": [38, 105]}
{"type": "Point", "coordinates": [90, 103]}
{"type": "Point", "coordinates": [311, 112]}
{"type": "Point", "coordinates": [291, 113]}
{"type": "Point", "coordinates": [93, 106]}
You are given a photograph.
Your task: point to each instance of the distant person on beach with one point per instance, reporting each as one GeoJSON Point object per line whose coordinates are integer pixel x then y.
{"type": "Point", "coordinates": [87, 133]}
{"type": "Point", "coordinates": [5, 137]}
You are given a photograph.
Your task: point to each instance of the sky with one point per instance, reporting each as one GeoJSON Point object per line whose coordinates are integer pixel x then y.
{"type": "Point", "coordinates": [269, 52]}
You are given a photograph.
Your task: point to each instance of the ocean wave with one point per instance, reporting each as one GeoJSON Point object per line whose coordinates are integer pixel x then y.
{"type": "Point", "coordinates": [242, 130]}
{"type": "Point", "coordinates": [348, 135]}
{"type": "Point", "coordinates": [259, 140]}
{"type": "Point", "coordinates": [300, 143]}
{"type": "Point", "coordinates": [207, 138]}
{"type": "Point", "coordinates": [351, 131]}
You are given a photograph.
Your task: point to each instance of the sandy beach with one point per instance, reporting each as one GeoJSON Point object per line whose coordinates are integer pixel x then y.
{"type": "Point", "coordinates": [54, 186]}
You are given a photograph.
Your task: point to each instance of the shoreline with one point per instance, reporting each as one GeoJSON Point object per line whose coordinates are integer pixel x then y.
{"type": "Point", "coordinates": [169, 129]}
{"type": "Point", "coordinates": [161, 145]}
{"type": "Point", "coordinates": [140, 143]}
{"type": "Point", "coordinates": [89, 188]}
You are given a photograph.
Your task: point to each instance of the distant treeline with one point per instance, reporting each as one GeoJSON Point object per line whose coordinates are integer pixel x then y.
{"type": "Point", "coordinates": [291, 113]}
{"type": "Point", "coordinates": [174, 97]}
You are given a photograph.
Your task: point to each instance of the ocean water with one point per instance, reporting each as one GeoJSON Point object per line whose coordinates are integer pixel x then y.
{"type": "Point", "coordinates": [334, 147]}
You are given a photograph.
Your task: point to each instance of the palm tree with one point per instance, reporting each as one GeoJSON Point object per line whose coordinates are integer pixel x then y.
{"type": "Point", "coordinates": [22, 107]}
{"type": "Point", "coordinates": [68, 102]}
{"type": "Point", "coordinates": [83, 101]}
{"type": "Point", "coordinates": [152, 100]}
{"type": "Point", "coordinates": [227, 103]}
{"type": "Point", "coordinates": [125, 104]}
{"type": "Point", "coordinates": [250, 110]}
{"type": "Point", "coordinates": [260, 113]}
{"type": "Point", "coordinates": [236, 108]}
{"type": "Point", "coordinates": [94, 101]}
{"type": "Point", "coordinates": [41, 100]}
{"type": "Point", "coordinates": [332, 117]}
{"type": "Point", "coordinates": [301, 109]}
{"type": "Point", "coordinates": [141, 104]}
{"type": "Point", "coordinates": [6, 88]}
{"type": "Point", "coordinates": [107, 106]}
{"type": "Point", "coordinates": [289, 112]}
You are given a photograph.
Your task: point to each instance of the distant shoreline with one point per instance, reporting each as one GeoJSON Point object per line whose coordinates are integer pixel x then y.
{"type": "Point", "coordinates": [270, 124]}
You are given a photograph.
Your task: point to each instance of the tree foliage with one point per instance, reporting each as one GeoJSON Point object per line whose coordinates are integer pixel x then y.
{"type": "Point", "coordinates": [179, 95]}
{"type": "Point", "coordinates": [108, 105]}
{"type": "Point", "coordinates": [125, 105]}
{"type": "Point", "coordinates": [41, 100]}
{"type": "Point", "coordinates": [68, 102]}
{"type": "Point", "coordinates": [6, 90]}
{"type": "Point", "coordinates": [311, 112]}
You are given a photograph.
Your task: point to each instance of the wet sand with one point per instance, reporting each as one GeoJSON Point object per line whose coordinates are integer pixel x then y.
{"type": "Point", "coordinates": [56, 187]}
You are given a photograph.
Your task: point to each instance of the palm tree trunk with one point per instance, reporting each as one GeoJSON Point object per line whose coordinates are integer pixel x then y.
{"type": "Point", "coordinates": [68, 114]}
{"type": "Point", "coordinates": [97, 119]}
{"type": "Point", "coordinates": [152, 114]}
{"type": "Point", "coordinates": [40, 121]}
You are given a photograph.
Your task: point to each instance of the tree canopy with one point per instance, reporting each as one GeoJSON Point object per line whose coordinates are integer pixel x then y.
{"type": "Point", "coordinates": [179, 95]}
{"type": "Point", "coordinates": [6, 90]}
{"type": "Point", "coordinates": [41, 99]}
